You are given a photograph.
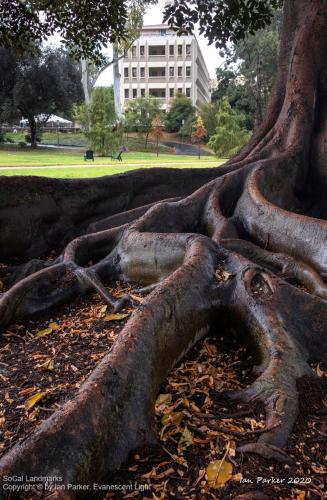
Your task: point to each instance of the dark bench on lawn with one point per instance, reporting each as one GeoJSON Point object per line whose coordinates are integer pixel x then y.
{"type": "Point", "coordinates": [89, 155]}
{"type": "Point", "coordinates": [116, 156]}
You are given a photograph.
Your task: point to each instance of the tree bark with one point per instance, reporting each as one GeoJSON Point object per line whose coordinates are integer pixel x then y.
{"type": "Point", "coordinates": [260, 219]}
{"type": "Point", "coordinates": [117, 79]}
{"type": "Point", "coordinates": [85, 82]}
{"type": "Point", "coordinates": [33, 131]}
{"type": "Point", "coordinates": [86, 91]}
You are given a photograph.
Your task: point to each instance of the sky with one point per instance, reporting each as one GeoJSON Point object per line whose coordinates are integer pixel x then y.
{"type": "Point", "coordinates": [154, 16]}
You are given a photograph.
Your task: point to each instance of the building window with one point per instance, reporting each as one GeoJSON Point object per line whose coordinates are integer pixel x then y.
{"type": "Point", "coordinates": [188, 92]}
{"type": "Point", "coordinates": [134, 74]}
{"type": "Point", "coordinates": [126, 72]}
{"type": "Point", "coordinates": [171, 92]}
{"type": "Point", "coordinates": [180, 71]}
{"type": "Point", "coordinates": [126, 93]}
{"type": "Point", "coordinates": [142, 72]}
{"type": "Point", "coordinates": [159, 93]}
{"type": "Point", "coordinates": [188, 50]}
{"type": "Point", "coordinates": [180, 50]}
{"type": "Point", "coordinates": [157, 72]}
{"type": "Point", "coordinates": [188, 70]}
{"type": "Point", "coordinates": [171, 71]}
{"type": "Point", "coordinates": [134, 93]}
{"type": "Point", "coordinates": [180, 90]}
{"type": "Point", "coordinates": [163, 32]}
{"type": "Point", "coordinates": [134, 51]}
{"type": "Point", "coordinates": [142, 92]}
{"type": "Point", "coordinates": [157, 50]}
{"type": "Point", "coordinates": [142, 50]}
{"type": "Point", "coordinates": [171, 50]}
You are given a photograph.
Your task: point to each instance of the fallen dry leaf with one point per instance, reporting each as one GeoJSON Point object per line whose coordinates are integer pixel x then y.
{"type": "Point", "coordinates": [30, 402]}
{"type": "Point", "coordinates": [165, 473]}
{"type": "Point", "coordinates": [43, 333]}
{"type": "Point", "coordinates": [219, 472]}
{"type": "Point", "coordinates": [222, 275]}
{"type": "Point", "coordinates": [8, 398]}
{"type": "Point", "coordinates": [54, 326]}
{"type": "Point", "coordinates": [137, 298]}
{"type": "Point", "coordinates": [232, 449]}
{"type": "Point", "coordinates": [173, 418]}
{"type": "Point", "coordinates": [48, 365]}
{"type": "Point", "coordinates": [115, 316]}
{"type": "Point", "coordinates": [162, 403]}
{"type": "Point", "coordinates": [186, 437]}
{"type": "Point", "coordinates": [29, 390]}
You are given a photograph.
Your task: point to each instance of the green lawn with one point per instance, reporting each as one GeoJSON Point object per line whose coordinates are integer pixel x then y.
{"type": "Point", "coordinates": [71, 164]}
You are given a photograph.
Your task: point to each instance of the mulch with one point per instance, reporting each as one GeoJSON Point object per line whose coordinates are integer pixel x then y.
{"type": "Point", "coordinates": [177, 467]}
{"type": "Point", "coordinates": [43, 363]}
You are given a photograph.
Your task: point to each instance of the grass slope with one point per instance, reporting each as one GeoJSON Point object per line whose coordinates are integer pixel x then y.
{"type": "Point", "coordinates": [67, 164]}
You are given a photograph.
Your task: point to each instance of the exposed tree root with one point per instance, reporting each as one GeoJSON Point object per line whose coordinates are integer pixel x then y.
{"type": "Point", "coordinates": [164, 251]}
{"type": "Point", "coordinates": [287, 267]}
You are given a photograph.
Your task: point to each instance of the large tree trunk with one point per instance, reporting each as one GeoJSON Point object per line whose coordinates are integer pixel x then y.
{"type": "Point", "coordinates": [33, 131]}
{"type": "Point", "coordinates": [86, 90]}
{"type": "Point", "coordinates": [117, 80]}
{"type": "Point", "coordinates": [85, 82]}
{"type": "Point", "coordinates": [260, 218]}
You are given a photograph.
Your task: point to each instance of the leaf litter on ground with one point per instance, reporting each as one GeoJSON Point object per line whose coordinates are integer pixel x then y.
{"type": "Point", "coordinates": [43, 363]}
{"type": "Point", "coordinates": [199, 430]}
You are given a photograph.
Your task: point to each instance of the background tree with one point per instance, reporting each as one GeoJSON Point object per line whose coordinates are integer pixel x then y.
{"type": "Point", "coordinates": [25, 25]}
{"type": "Point", "coordinates": [85, 27]}
{"type": "Point", "coordinates": [230, 134]}
{"type": "Point", "coordinates": [156, 130]}
{"type": "Point", "coordinates": [139, 116]}
{"type": "Point", "coordinates": [100, 121]}
{"type": "Point", "coordinates": [208, 113]}
{"type": "Point", "coordinates": [8, 67]}
{"type": "Point", "coordinates": [185, 132]}
{"type": "Point", "coordinates": [245, 241]}
{"type": "Point", "coordinates": [225, 79]}
{"type": "Point", "coordinates": [41, 84]}
{"type": "Point", "coordinates": [232, 86]}
{"type": "Point", "coordinates": [221, 22]}
{"type": "Point", "coordinates": [199, 132]}
{"type": "Point", "coordinates": [181, 110]}
{"type": "Point", "coordinates": [248, 75]}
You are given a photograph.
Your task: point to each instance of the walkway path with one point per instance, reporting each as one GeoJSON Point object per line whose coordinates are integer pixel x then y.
{"type": "Point", "coordinates": [120, 164]}
{"type": "Point", "coordinates": [182, 148]}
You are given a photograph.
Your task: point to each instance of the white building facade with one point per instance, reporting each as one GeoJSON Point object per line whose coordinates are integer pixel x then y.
{"type": "Point", "coordinates": [161, 64]}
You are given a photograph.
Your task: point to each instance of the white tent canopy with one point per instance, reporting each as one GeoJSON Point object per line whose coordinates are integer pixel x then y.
{"type": "Point", "coordinates": [52, 119]}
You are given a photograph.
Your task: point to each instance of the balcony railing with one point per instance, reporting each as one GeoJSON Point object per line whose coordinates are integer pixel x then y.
{"type": "Point", "coordinates": [159, 99]}
{"type": "Point", "coordinates": [161, 77]}
{"type": "Point", "coordinates": [158, 57]}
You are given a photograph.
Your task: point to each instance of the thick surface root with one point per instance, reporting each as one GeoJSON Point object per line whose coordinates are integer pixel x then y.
{"type": "Point", "coordinates": [217, 250]}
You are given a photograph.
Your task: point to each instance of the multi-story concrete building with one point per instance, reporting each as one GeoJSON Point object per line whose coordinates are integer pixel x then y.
{"type": "Point", "coordinates": [161, 64]}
